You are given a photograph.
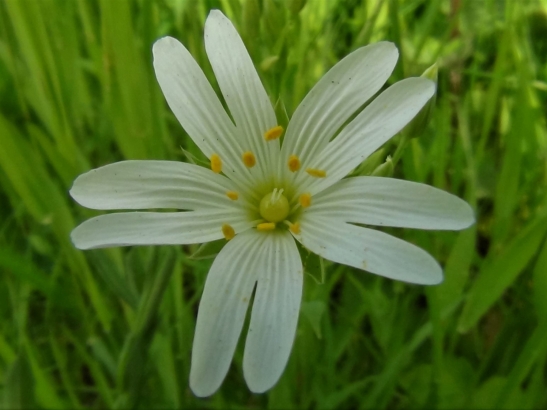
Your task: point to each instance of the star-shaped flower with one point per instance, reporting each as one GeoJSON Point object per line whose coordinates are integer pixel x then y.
{"type": "Point", "coordinates": [263, 196]}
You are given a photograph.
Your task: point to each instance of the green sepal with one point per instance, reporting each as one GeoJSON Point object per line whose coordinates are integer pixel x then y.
{"type": "Point", "coordinates": [192, 159]}
{"type": "Point", "coordinates": [268, 63]}
{"type": "Point", "coordinates": [208, 250]}
{"type": "Point", "coordinates": [385, 169]}
{"type": "Point", "coordinates": [417, 126]}
{"type": "Point", "coordinates": [368, 166]}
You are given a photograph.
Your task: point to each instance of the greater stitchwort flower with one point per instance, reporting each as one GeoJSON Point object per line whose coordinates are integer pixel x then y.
{"type": "Point", "coordinates": [263, 196]}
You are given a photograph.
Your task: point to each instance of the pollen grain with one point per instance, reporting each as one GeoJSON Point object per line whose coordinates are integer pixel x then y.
{"type": "Point", "coordinates": [266, 226]}
{"type": "Point", "coordinates": [295, 228]}
{"type": "Point", "coordinates": [216, 164]}
{"type": "Point", "coordinates": [273, 133]}
{"type": "Point", "coordinates": [318, 173]}
{"type": "Point", "coordinates": [249, 159]}
{"type": "Point", "coordinates": [293, 163]}
{"type": "Point", "coordinates": [233, 195]}
{"type": "Point", "coordinates": [228, 232]}
{"type": "Point", "coordinates": [305, 200]}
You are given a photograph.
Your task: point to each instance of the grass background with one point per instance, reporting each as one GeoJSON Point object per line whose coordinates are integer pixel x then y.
{"type": "Point", "coordinates": [114, 328]}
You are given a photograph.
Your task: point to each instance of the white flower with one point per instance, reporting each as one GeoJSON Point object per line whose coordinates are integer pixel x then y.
{"type": "Point", "coordinates": [261, 195]}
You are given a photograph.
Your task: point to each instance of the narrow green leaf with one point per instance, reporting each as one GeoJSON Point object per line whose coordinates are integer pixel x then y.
{"type": "Point", "coordinates": [131, 365]}
{"type": "Point", "coordinates": [101, 380]}
{"type": "Point", "coordinates": [101, 352]}
{"type": "Point", "coordinates": [45, 392]}
{"type": "Point", "coordinates": [164, 361]}
{"type": "Point", "coordinates": [6, 351]}
{"type": "Point", "coordinates": [456, 271]}
{"type": "Point", "coordinates": [533, 350]}
{"type": "Point", "coordinates": [19, 385]}
{"type": "Point", "coordinates": [540, 284]}
{"type": "Point", "coordinates": [62, 366]}
{"type": "Point", "coordinates": [43, 200]}
{"type": "Point", "coordinates": [112, 277]}
{"type": "Point", "coordinates": [500, 271]}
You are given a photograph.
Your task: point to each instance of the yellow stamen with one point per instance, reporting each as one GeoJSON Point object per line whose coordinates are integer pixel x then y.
{"type": "Point", "coordinates": [249, 159]}
{"type": "Point", "coordinates": [295, 228]}
{"type": "Point", "coordinates": [305, 200]}
{"type": "Point", "coordinates": [228, 232]}
{"type": "Point", "coordinates": [318, 173]}
{"type": "Point", "coordinates": [232, 195]}
{"type": "Point", "coordinates": [294, 163]}
{"type": "Point", "coordinates": [216, 164]}
{"type": "Point", "coordinates": [273, 133]}
{"type": "Point", "coordinates": [266, 226]}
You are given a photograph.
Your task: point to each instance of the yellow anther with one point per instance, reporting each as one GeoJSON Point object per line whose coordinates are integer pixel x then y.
{"type": "Point", "coordinates": [232, 195]}
{"type": "Point", "coordinates": [249, 159]}
{"type": "Point", "coordinates": [266, 226]}
{"type": "Point", "coordinates": [273, 133]}
{"type": "Point", "coordinates": [228, 232]}
{"type": "Point", "coordinates": [305, 200]}
{"type": "Point", "coordinates": [216, 164]}
{"type": "Point", "coordinates": [294, 163]}
{"type": "Point", "coordinates": [295, 228]}
{"type": "Point", "coordinates": [318, 173]}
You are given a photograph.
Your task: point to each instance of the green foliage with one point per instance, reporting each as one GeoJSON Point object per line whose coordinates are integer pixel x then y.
{"type": "Point", "coordinates": [114, 328]}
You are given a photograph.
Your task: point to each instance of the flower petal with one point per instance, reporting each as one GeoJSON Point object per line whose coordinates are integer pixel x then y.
{"type": "Point", "coordinates": [152, 228]}
{"type": "Point", "coordinates": [196, 106]}
{"type": "Point", "coordinates": [153, 184]}
{"type": "Point", "coordinates": [392, 202]}
{"type": "Point", "coordinates": [222, 311]}
{"type": "Point", "coordinates": [376, 124]}
{"type": "Point", "coordinates": [241, 87]}
{"type": "Point", "coordinates": [334, 99]}
{"type": "Point", "coordinates": [368, 249]}
{"type": "Point", "coordinates": [275, 312]}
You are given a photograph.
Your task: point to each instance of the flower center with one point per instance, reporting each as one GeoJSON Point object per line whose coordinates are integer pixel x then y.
{"type": "Point", "coordinates": [274, 207]}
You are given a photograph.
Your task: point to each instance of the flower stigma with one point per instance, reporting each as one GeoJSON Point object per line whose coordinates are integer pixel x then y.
{"type": "Point", "coordinates": [274, 207]}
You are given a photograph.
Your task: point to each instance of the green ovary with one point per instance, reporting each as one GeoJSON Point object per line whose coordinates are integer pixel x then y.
{"type": "Point", "coordinates": [274, 207]}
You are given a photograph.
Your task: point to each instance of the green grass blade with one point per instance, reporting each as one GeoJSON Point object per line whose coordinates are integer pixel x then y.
{"type": "Point", "coordinates": [500, 271]}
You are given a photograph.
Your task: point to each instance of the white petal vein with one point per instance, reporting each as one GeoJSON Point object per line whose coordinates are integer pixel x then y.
{"type": "Point", "coordinates": [377, 123]}
{"type": "Point", "coordinates": [156, 228]}
{"type": "Point", "coordinates": [197, 107]}
{"type": "Point", "coordinates": [242, 89]}
{"type": "Point", "coordinates": [222, 311]}
{"type": "Point", "coordinates": [275, 312]}
{"type": "Point", "coordinates": [337, 95]}
{"type": "Point", "coordinates": [369, 249]}
{"type": "Point", "coordinates": [154, 184]}
{"type": "Point", "coordinates": [392, 202]}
